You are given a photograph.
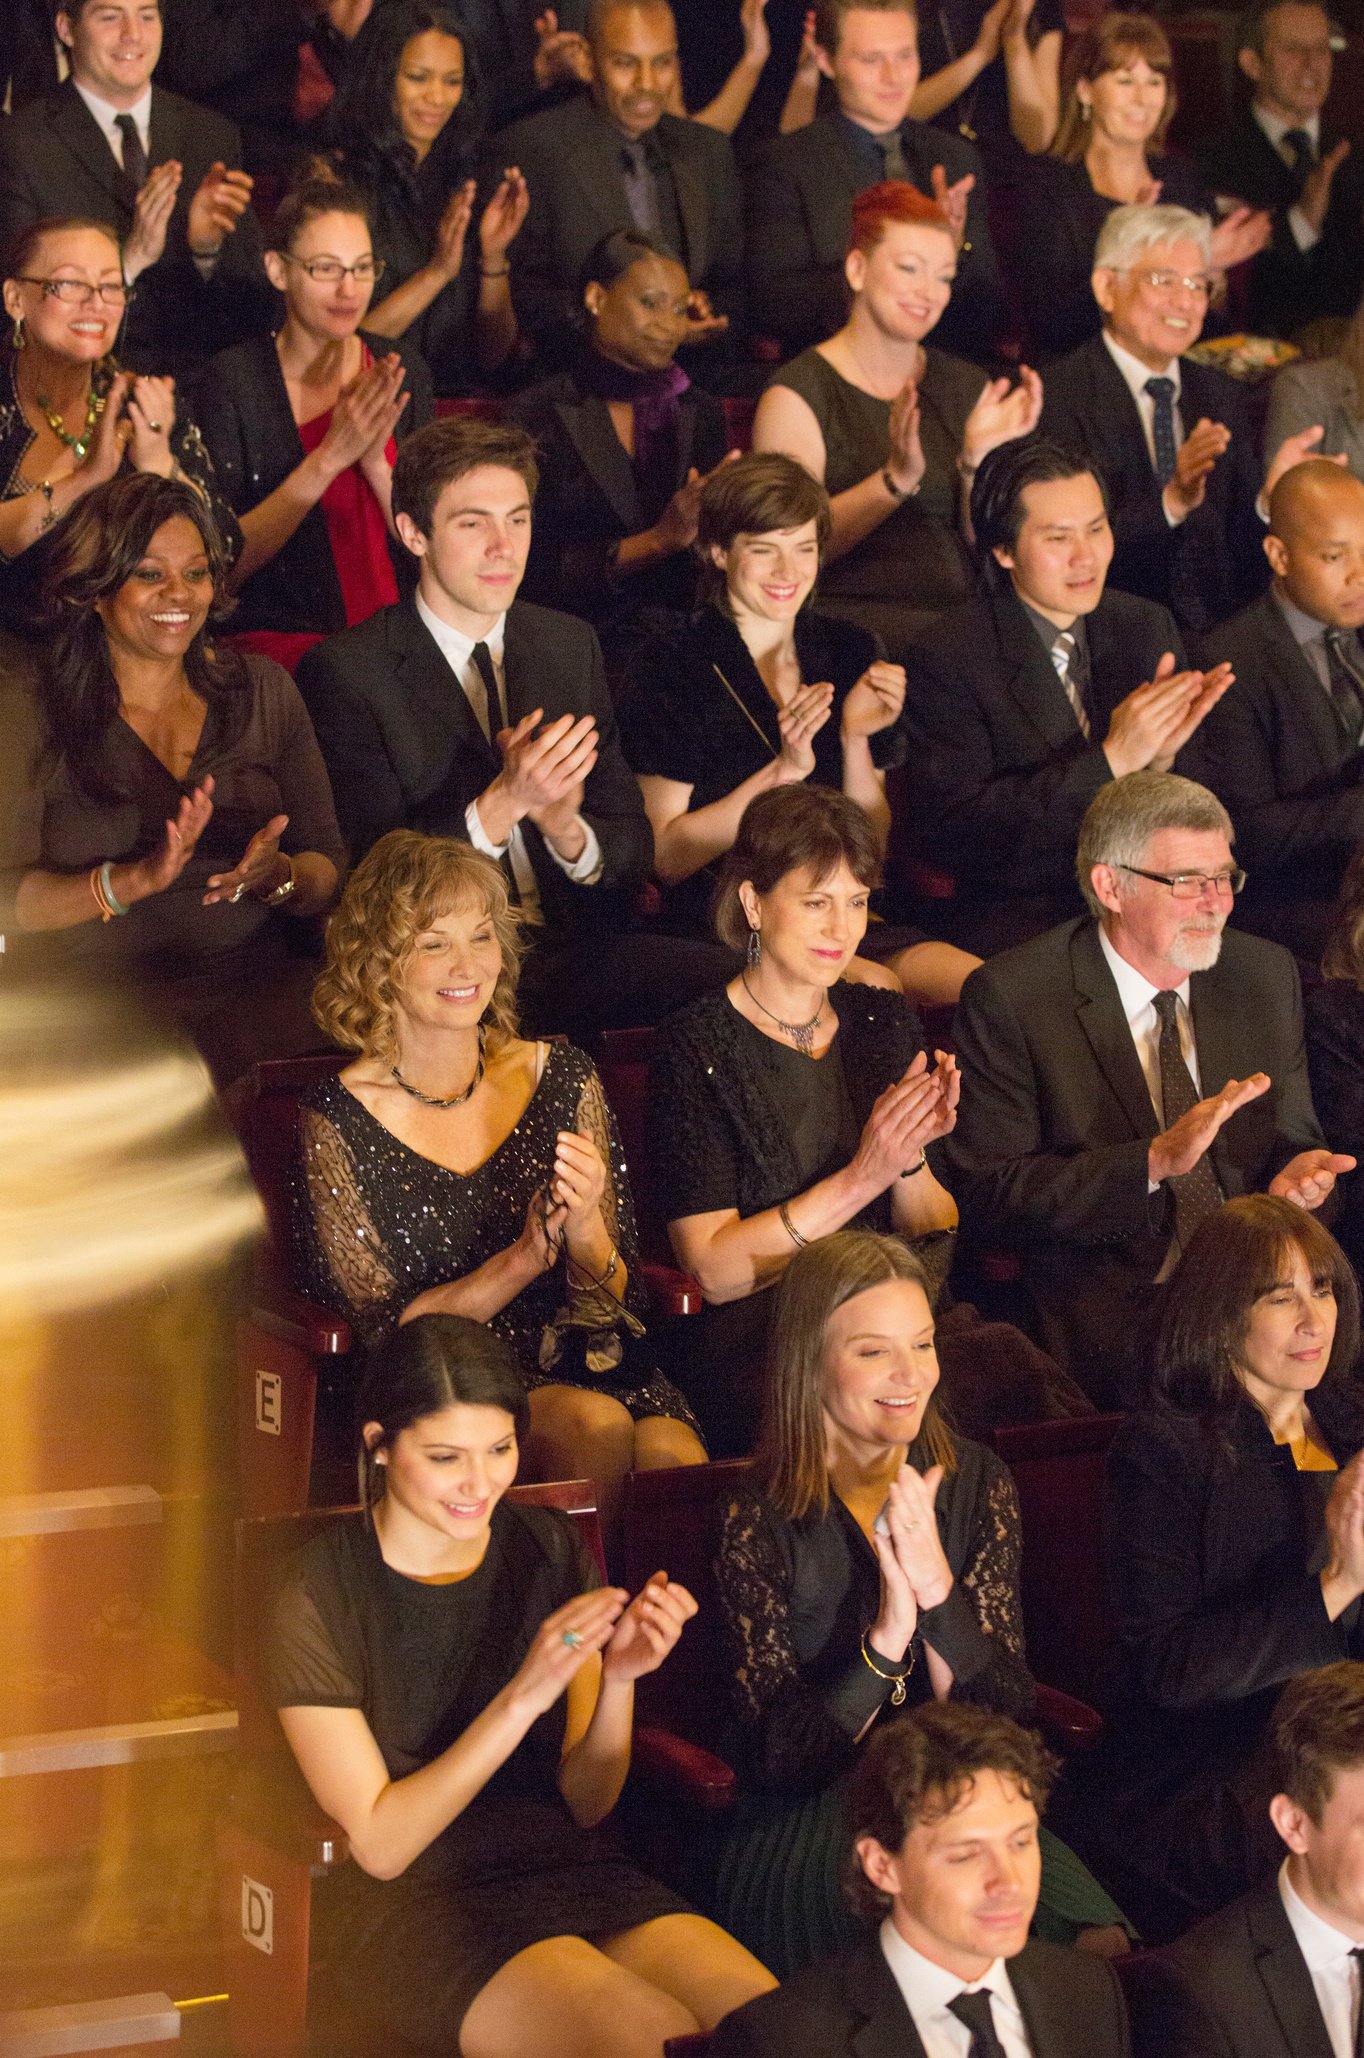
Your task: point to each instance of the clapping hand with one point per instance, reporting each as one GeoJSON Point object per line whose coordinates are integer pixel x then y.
{"type": "Point", "coordinates": [1194, 460]}
{"type": "Point", "coordinates": [155, 873]}
{"type": "Point", "coordinates": [875, 701]}
{"type": "Point", "coordinates": [1309, 1177]}
{"type": "Point", "coordinates": [150, 413]}
{"type": "Point", "coordinates": [1295, 450]}
{"type": "Point", "coordinates": [257, 871]}
{"type": "Point", "coordinates": [702, 320]}
{"type": "Point", "coordinates": [452, 230]}
{"type": "Point", "coordinates": [560, 54]}
{"type": "Point", "coordinates": [800, 721]}
{"type": "Point", "coordinates": [152, 211]}
{"type": "Point", "coordinates": [1240, 235]}
{"type": "Point", "coordinates": [953, 200]}
{"type": "Point", "coordinates": [905, 459]}
{"type": "Point", "coordinates": [1003, 411]}
{"type": "Point", "coordinates": [218, 205]}
{"type": "Point", "coordinates": [577, 1182]}
{"type": "Point", "coordinates": [647, 1630]}
{"type": "Point", "coordinates": [501, 220]}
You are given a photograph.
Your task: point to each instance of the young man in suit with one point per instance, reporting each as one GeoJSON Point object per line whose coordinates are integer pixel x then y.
{"type": "Point", "coordinates": [1284, 751]}
{"type": "Point", "coordinates": [1023, 702]}
{"type": "Point", "coordinates": [944, 1809]}
{"type": "Point", "coordinates": [1279, 154]}
{"type": "Point", "coordinates": [801, 189]}
{"type": "Point", "coordinates": [1129, 1071]}
{"type": "Point", "coordinates": [111, 147]}
{"type": "Point", "coordinates": [1172, 439]}
{"type": "Point", "coordinates": [1277, 1974]}
{"type": "Point", "coordinates": [468, 712]}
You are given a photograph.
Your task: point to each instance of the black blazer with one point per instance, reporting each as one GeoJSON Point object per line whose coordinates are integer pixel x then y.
{"type": "Point", "coordinates": [1335, 1064]}
{"type": "Point", "coordinates": [242, 406]}
{"type": "Point", "coordinates": [570, 155]}
{"type": "Point", "coordinates": [1235, 1987]}
{"type": "Point", "coordinates": [851, 2007]}
{"type": "Point", "coordinates": [1002, 774]}
{"type": "Point", "coordinates": [799, 198]}
{"type": "Point", "coordinates": [1049, 1151]}
{"type": "Point", "coordinates": [1291, 780]}
{"type": "Point", "coordinates": [241, 58]}
{"type": "Point", "coordinates": [54, 161]}
{"type": "Point", "coordinates": [1290, 287]}
{"type": "Point", "coordinates": [404, 750]}
{"type": "Point", "coordinates": [1212, 563]}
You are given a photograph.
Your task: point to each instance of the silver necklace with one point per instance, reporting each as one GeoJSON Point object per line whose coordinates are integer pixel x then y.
{"type": "Point", "coordinates": [456, 1100]}
{"type": "Point", "coordinates": [802, 1034]}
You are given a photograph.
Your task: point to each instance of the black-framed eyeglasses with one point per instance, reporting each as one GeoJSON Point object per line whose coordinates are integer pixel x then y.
{"type": "Point", "coordinates": [79, 292]}
{"type": "Point", "coordinates": [1192, 885]}
{"type": "Point", "coordinates": [327, 271]}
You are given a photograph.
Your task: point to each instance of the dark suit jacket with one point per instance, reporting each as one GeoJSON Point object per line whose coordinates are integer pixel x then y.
{"type": "Point", "coordinates": [1291, 780]}
{"type": "Point", "coordinates": [240, 57]}
{"type": "Point", "coordinates": [571, 158]}
{"type": "Point", "coordinates": [850, 2007]}
{"type": "Point", "coordinates": [1049, 1151]}
{"type": "Point", "coordinates": [1290, 287]}
{"type": "Point", "coordinates": [1212, 563]}
{"type": "Point", "coordinates": [404, 750]}
{"type": "Point", "coordinates": [1235, 1987]}
{"type": "Point", "coordinates": [1335, 1063]}
{"type": "Point", "coordinates": [799, 198]}
{"type": "Point", "coordinates": [1002, 773]}
{"type": "Point", "coordinates": [54, 161]}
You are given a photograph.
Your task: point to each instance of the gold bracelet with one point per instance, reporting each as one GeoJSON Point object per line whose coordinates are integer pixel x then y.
{"type": "Point", "coordinates": [895, 1679]}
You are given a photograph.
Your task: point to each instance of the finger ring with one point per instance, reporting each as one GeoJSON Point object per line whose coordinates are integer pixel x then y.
{"type": "Point", "coordinates": [155, 428]}
{"type": "Point", "coordinates": [238, 894]}
{"type": "Point", "coordinates": [572, 1639]}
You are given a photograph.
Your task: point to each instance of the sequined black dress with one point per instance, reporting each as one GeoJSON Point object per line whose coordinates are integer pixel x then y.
{"type": "Point", "coordinates": [377, 1223]}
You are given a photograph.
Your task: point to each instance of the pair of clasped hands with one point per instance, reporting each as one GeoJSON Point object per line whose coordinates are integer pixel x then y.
{"type": "Point", "coordinates": [633, 1637]}
{"type": "Point", "coordinates": [915, 1574]}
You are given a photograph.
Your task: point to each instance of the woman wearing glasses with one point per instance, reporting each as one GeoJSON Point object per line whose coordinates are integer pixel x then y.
{"type": "Point", "coordinates": [69, 418]}
{"type": "Point", "coordinates": [301, 427]}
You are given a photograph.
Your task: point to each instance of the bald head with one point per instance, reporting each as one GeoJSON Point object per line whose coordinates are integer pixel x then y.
{"type": "Point", "coordinates": [634, 61]}
{"type": "Point", "coordinates": [1315, 543]}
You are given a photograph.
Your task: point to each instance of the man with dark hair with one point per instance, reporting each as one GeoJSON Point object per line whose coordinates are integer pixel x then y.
{"type": "Point", "coordinates": [1279, 154]}
{"type": "Point", "coordinates": [1023, 702]}
{"type": "Point", "coordinates": [468, 712]}
{"type": "Point", "coordinates": [944, 1809]}
{"type": "Point", "coordinates": [801, 189]}
{"type": "Point", "coordinates": [1277, 1974]}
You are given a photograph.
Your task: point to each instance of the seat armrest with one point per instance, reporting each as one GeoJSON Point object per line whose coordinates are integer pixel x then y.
{"type": "Point", "coordinates": [1069, 1724]}
{"type": "Point", "coordinates": [319, 1331]}
{"type": "Point", "coordinates": [661, 1759]}
{"type": "Point", "coordinates": [274, 1807]}
{"type": "Point", "coordinates": [675, 1293]}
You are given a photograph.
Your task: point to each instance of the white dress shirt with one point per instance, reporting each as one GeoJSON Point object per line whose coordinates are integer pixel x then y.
{"type": "Point", "coordinates": [1335, 1974]}
{"type": "Point", "coordinates": [1275, 127]}
{"type": "Point", "coordinates": [107, 116]}
{"type": "Point", "coordinates": [927, 1988]}
{"type": "Point", "coordinates": [1135, 374]}
{"type": "Point", "coordinates": [1137, 999]}
{"type": "Point", "coordinates": [458, 651]}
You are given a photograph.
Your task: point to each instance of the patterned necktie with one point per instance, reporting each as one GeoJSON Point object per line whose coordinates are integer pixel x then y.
{"type": "Point", "coordinates": [1346, 681]}
{"type": "Point", "coordinates": [1162, 392]}
{"type": "Point", "coordinates": [975, 2012]}
{"type": "Point", "coordinates": [893, 156]}
{"type": "Point", "coordinates": [134, 156]}
{"type": "Point", "coordinates": [641, 194]}
{"type": "Point", "coordinates": [493, 715]}
{"type": "Point", "coordinates": [1197, 1193]}
{"type": "Point", "coordinates": [1064, 652]}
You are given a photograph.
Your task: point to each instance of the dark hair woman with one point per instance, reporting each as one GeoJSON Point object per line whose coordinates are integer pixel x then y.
{"type": "Point", "coordinates": [165, 809]}
{"type": "Point", "coordinates": [872, 1564]}
{"type": "Point", "coordinates": [1235, 1546]}
{"type": "Point", "coordinates": [482, 1912]}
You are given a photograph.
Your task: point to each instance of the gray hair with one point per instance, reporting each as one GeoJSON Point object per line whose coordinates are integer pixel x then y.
{"type": "Point", "coordinates": [1126, 813]}
{"type": "Point", "coordinates": [1130, 232]}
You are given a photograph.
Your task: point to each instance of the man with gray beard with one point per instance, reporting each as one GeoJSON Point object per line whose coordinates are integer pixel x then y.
{"type": "Point", "coordinates": [1127, 1072]}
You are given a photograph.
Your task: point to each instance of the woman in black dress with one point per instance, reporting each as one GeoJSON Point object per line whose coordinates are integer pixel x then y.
{"type": "Point", "coordinates": [1235, 1545]}
{"type": "Point", "coordinates": [458, 1690]}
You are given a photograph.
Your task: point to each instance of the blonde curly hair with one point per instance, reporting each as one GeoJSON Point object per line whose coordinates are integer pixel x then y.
{"type": "Point", "coordinates": [400, 888]}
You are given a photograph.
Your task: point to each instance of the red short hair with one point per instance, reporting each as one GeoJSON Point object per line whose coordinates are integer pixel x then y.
{"type": "Point", "coordinates": [892, 204]}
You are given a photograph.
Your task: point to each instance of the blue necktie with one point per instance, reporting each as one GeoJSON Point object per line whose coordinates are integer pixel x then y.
{"type": "Point", "coordinates": [1162, 392]}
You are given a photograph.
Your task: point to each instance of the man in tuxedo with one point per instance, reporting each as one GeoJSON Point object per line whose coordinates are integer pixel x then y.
{"type": "Point", "coordinates": [944, 1809]}
{"type": "Point", "coordinates": [801, 189]}
{"type": "Point", "coordinates": [614, 159]}
{"type": "Point", "coordinates": [109, 146]}
{"type": "Point", "coordinates": [467, 712]}
{"type": "Point", "coordinates": [1172, 439]}
{"type": "Point", "coordinates": [1277, 1974]}
{"type": "Point", "coordinates": [1278, 154]}
{"type": "Point", "coordinates": [1284, 752]}
{"type": "Point", "coordinates": [1023, 702]}
{"type": "Point", "coordinates": [1128, 1072]}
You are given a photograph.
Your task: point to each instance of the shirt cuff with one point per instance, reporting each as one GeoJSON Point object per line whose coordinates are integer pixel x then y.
{"type": "Point", "coordinates": [479, 836]}
{"type": "Point", "coordinates": [1304, 235]}
{"type": "Point", "coordinates": [1171, 521]}
{"type": "Point", "coordinates": [585, 869]}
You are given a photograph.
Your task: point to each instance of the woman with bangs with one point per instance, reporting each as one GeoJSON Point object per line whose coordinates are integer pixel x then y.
{"type": "Point", "coordinates": [1118, 100]}
{"type": "Point", "coordinates": [893, 429]}
{"type": "Point", "coordinates": [455, 1168]}
{"type": "Point", "coordinates": [1235, 1547]}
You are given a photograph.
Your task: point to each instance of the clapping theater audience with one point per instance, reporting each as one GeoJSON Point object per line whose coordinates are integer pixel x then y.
{"type": "Point", "coordinates": [1025, 701]}
{"type": "Point", "coordinates": [69, 418]}
{"type": "Point", "coordinates": [1335, 1047]}
{"type": "Point", "coordinates": [1235, 1551]}
{"type": "Point", "coordinates": [801, 190]}
{"type": "Point", "coordinates": [481, 1912]}
{"type": "Point", "coordinates": [943, 1819]}
{"type": "Point", "coordinates": [165, 808]}
{"type": "Point", "coordinates": [1128, 1071]}
{"type": "Point", "coordinates": [111, 147]}
{"type": "Point", "coordinates": [894, 429]}
{"type": "Point", "coordinates": [873, 1560]}
{"type": "Point", "coordinates": [302, 429]}
{"type": "Point", "coordinates": [1325, 393]}
{"type": "Point", "coordinates": [623, 442]}
{"type": "Point", "coordinates": [1117, 104]}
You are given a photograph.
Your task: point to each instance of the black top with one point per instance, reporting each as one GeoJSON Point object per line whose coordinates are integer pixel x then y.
{"type": "Point", "coordinates": [1335, 1064]}
{"type": "Point", "coordinates": [947, 30]}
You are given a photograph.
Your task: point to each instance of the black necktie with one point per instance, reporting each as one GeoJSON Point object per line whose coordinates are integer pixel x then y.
{"type": "Point", "coordinates": [1303, 155]}
{"type": "Point", "coordinates": [1162, 392]}
{"type": "Point", "coordinates": [1358, 1955]}
{"type": "Point", "coordinates": [1346, 681]}
{"type": "Point", "coordinates": [134, 156]}
{"type": "Point", "coordinates": [979, 2017]}
{"type": "Point", "coordinates": [893, 156]}
{"type": "Point", "coordinates": [641, 193]}
{"type": "Point", "coordinates": [483, 664]}
{"type": "Point", "coordinates": [1197, 1193]}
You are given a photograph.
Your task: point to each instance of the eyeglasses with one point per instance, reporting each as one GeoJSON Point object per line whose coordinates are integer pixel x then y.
{"type": "Point", "coordinates": [78, 292]}
{"type": "Point", "coordinates": [1192, 885]}
{"type": "Point", "coordinates": [327, 271]}
{"type": "Point", "coordinates": [1197, 283]}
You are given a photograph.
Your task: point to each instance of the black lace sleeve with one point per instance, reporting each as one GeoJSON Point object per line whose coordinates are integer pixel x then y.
{"type": "Point", "coordinates": [341, 1255]}
{"type": "Point", "coordinates": [595, 1120]}
{"type": "Point", "coordinates": [978, 1629]}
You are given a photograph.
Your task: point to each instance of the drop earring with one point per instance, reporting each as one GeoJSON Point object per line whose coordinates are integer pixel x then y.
{"type": "Point", "coordinates": [17, 338]}
{"type": "Point", "coordinates": [755, 950]}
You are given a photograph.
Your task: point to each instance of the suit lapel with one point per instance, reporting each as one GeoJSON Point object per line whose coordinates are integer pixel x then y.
{"type": "Point", "coordinates": [1031, 678]}
{"type": "Point", "coordinates": [1115, 406]}
{"type": "Point", "coordinates": [1104, 1025]}
{"type": "Point", "coordinates": [588, 424]}
{"type": "Point", "coordinates": [1295, 668]}
{"type": "Point", "coordinates": [82, 136]}
{"type": "Point", "coordinates": [1287, 1982]}
{"type": "Point", "coordinates": [693, 205]}
{"type": "Point", "coordinates": [882, 2025]}
{"type": "Point", "coordinates": [439, 706]}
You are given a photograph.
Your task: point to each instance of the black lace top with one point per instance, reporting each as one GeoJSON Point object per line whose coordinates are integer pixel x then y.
{"type": "Point", "coordinates": [795, 1597]}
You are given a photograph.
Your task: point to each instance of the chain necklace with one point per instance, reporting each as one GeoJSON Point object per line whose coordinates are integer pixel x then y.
{"type": "Point", "coordinates": [456, 1100]}
{"type": "Point", "coordinates": [802, 1034]}
{"type": "Point", "coordinates": [94, 408]}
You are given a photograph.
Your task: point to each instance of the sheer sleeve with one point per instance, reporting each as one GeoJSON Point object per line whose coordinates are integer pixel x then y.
{"type": "Point", "coordinates": [304, 1667]}
{"type": "Point", "coordinates": [978, 1629]}
{"type": "Point", "coordinates": [596, 1121]}
{"type": "Point", "coordinates": [342, 1252]}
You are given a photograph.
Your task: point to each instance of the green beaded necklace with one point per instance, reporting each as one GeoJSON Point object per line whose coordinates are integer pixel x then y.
{"type": "Point", "coordinates": [94, 408]}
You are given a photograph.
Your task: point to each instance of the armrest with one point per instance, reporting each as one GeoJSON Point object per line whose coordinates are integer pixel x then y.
{"type": "Point", "coordinates": [319, 1331]}
{"type": "Point", "coordinates": [277, 1810]}
{"type": "Point", "coordinates": [660, 1758]}
{"type": "Point", "coordinates": [676, 1293]}
{"type": "Point", "coordinates": [1069, 1724]}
